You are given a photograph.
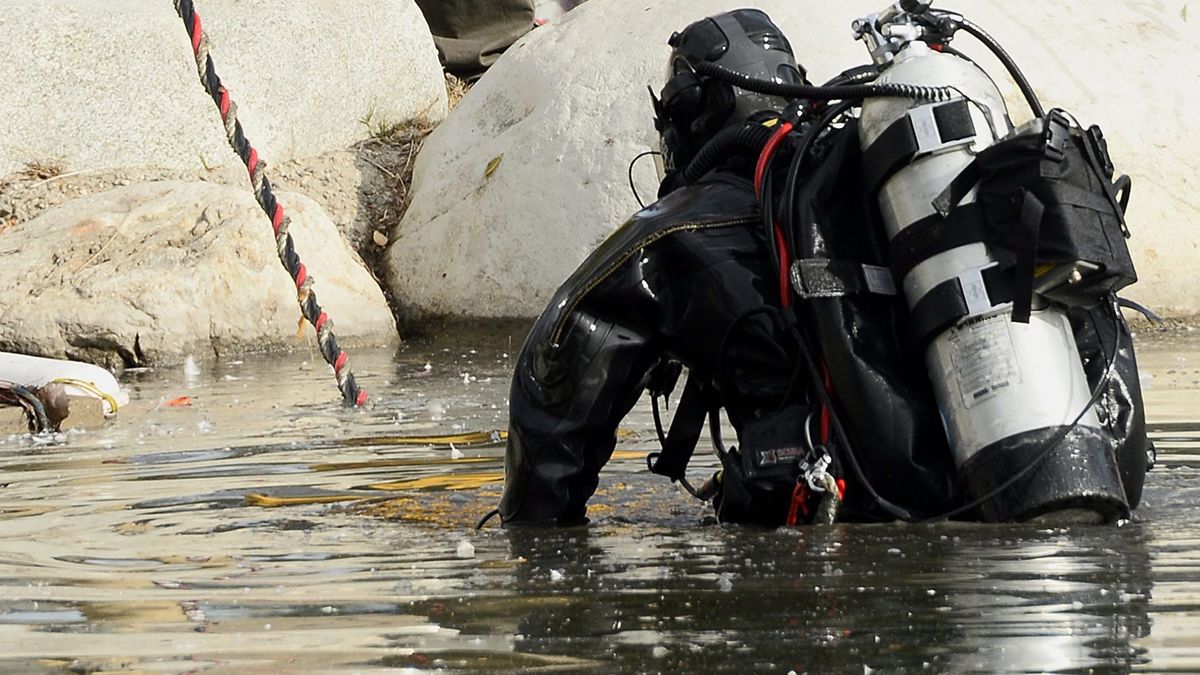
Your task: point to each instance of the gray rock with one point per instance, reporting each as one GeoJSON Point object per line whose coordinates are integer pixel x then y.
{"type": "Point", "coordinates": [114, 84]}
{"type": "Point", "coordinates": [544, 10]}
{"type": "Point", "coordinates": [154, 272]}
{"type": "Point", "coordinates": [566, 109]}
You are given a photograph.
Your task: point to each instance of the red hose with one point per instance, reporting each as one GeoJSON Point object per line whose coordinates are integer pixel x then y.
{"type": "Point", "coordinates": [785, 291]}
{"type": "Point", "coordinates": [760, 170]}
{"type": "Point", "coordinates": [765, 155]}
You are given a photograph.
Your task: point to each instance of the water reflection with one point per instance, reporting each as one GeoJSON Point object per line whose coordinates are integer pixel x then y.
{"type": "Point", "coordinates": [957, 599]}
{"type": "Point", "coordinates": [274, 531]}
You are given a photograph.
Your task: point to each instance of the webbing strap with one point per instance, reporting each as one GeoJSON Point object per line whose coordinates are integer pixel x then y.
{"type": "Point", "coordinates": [923, 130]}
{"type": "Point", "coordinates": [955, 299]}
{"type": "Point", "coordinates": [835, 278]}
{"type": "Point", "coordinates": [1032, 210]}
{"type": "Point", "coordinates": [686, 427]}
{"type": "Point", "coordinates": [1068, 194]}
{"type": "Point", "coordinates": [933, 235]}
{"type": "Point", "coordinates": [893, 150]}
{"type": "Point", "coordinates": [1094, 138]}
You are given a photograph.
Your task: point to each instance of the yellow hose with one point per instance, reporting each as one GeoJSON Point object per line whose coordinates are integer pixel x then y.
{"type": "Point", "coordinates": [91, 389]}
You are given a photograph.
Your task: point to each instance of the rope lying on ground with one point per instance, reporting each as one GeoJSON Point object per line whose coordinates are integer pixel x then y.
{"type": "Point", "coordinates": [334, 356]}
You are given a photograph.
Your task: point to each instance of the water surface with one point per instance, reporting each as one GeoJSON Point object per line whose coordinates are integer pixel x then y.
{"type": "Point", "coordinates": [263, 528]}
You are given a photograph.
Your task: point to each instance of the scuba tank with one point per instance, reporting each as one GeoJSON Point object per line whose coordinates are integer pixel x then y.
{"type": "Point", "coordinates": [1001, 354]}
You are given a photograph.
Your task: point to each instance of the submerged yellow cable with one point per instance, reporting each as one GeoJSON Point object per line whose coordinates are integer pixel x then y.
{"type": "Point", "coordinates": [465, 438]}
{"type": "Point", "coordinates": [267, 501]}
{"type": "Point", "coordinates": [462, 481]}
{"type": "Point", "coordinates": [469, 438]}
{"type": "Point", "coordinates": [392, 463]}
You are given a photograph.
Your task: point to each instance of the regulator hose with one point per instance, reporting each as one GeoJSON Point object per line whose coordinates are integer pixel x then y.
{"type": "Point", "coordinates": [745, 139]}
{"type": "Point", "coordinates": [857, 75]}
{"type": "Point", "coordinates": [814, 93]}
{"type": "Point", "coordinates": [27, 400]}
{"type": "Point", "coordinates": [1009, 64]}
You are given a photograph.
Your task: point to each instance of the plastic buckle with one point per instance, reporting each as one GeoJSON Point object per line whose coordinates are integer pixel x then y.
{"type": "Point", "coordinates": [1057, 135]}
{"type": "Point", "coordinates": [928, 133]}
{"type": "Point", "coordinates": [814, 470]}
{"type": "Point", "coordinates": [974, 290]}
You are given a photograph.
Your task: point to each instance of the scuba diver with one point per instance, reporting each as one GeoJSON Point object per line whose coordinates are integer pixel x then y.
{"type": "Point", "coordinates": [878, 358]}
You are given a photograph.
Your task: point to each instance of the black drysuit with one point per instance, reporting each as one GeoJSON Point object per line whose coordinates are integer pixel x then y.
{"type": "Point", "coordinates": [686, 277]}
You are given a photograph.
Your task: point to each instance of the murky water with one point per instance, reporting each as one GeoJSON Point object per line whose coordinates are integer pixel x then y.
{"type": "Point", "coordinates": [221, 537]}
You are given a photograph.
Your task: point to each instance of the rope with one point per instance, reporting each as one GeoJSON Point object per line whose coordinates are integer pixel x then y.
{"type": "Point", "coordinates": [307, 298]}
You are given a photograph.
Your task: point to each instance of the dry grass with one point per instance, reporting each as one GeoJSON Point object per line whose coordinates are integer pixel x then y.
{"type": "Point", "coordinates": [43, 169]}
{"type": "Point", "coordinates": [393, 152]}
{"type": "Point", "coordinates": [388, 132]}
{"type": "Point", "coordinates": [392, 149]}
{"type": "Point", "coordinates": [33, 174]}
{"type": "Point", "coordinates": [455, 89]}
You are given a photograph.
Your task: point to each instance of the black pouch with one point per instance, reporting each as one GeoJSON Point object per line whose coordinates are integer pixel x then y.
{"type": "Point", "coordinates": [757, 479]}
{"type": "Point", "coordinates": [1053, 208]}
{"type": "Point", "coordinates": [752, 501]}
{"type": "Point", "coordinates": [773, 446]}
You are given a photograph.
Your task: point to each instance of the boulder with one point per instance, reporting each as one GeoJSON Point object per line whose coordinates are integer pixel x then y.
{"type": "Point", "coordinates": [529, 172]}
{"type": "Point", "coordinates": [114, 84]}
{"type": "Point", "coordinates": [545, 10]}
{"type": "Point", "coordinates": [156, 271]}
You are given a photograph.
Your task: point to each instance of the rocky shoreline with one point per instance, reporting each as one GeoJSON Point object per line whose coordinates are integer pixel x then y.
{"type": "Point", "coordinates": [483, 218]}
{"type": "Point", "coordinates": [129, 234]}
{"type": "Point", "coordinates": [364, 188]}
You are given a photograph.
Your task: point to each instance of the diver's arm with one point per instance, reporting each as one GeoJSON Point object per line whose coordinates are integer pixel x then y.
{"type": "Point", "coordinates": [564, 408]}
{"type": "Point", "coordinates": [584, 364]}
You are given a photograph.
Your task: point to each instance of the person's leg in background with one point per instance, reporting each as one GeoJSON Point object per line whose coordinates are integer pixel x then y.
{"type": "Point", "coordinates": [471, 34]}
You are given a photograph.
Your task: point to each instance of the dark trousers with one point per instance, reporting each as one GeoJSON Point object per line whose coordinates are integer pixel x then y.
{"type": "Point", "coordinates": [471, 34]}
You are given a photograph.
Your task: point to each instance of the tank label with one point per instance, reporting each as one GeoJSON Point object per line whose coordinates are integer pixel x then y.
{"type": "Point", "coordinates": [984, 359]}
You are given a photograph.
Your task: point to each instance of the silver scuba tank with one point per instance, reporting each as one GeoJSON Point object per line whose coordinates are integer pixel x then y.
{"type": "Point", "coordinates": [1005, 389]}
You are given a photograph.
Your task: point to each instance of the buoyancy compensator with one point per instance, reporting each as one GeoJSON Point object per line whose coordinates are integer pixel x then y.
{"type": "Point", "coordinates": [995, 235]}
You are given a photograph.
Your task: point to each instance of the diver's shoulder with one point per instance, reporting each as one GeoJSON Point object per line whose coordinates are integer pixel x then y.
{"type": "Point", "coordinates": [716, 197]}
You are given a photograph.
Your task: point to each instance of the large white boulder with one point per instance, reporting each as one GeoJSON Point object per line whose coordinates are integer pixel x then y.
{"type": "Point", "coordinates": [157, 271]}
{"type": "Point", "coordinates": [529, 172]}
{"type": "Point", "coordinates": [96, 85]}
